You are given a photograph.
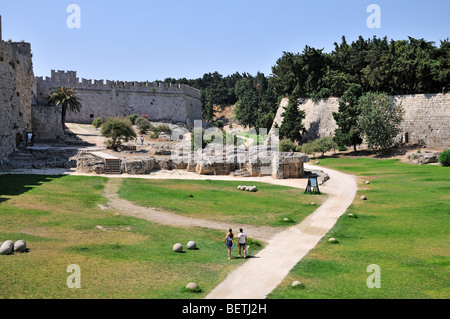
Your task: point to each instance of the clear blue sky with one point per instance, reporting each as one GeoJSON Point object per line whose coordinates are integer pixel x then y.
{"type": "Point", "coordinates": [152, 40]}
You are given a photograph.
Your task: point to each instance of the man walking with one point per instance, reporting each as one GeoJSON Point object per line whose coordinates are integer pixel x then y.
{"type": "Point", "coordinates": [242, 241]}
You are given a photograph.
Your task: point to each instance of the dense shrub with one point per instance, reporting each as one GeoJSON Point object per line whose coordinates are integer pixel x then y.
{"type": "Point", "coordinates": [160, 129]}
{"type": "Point", "coordinates": [143, 125]}
{"type": "Point", "coordinates": [133, 118]}
{"type": "Point", "coordinates": [286, 145]}
{"type": "Point", "coordinates": [97, 122]}
{"type": "Point", "coordinates": [444, 158]}
{"type": "Point", "coordinates": [218, 124]}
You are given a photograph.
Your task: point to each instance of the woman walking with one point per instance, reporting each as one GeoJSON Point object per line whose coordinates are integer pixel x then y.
{"type": "Point", "coordinates": [229, 242]}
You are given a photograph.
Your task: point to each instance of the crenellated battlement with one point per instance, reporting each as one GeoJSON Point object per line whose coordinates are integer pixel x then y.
{"type": "Point", "coordinates": [105, 98]}
{"type": "Point", "coordinates": [70, 79]}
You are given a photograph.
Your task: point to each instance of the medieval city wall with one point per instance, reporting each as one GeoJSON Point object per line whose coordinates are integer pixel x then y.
{"type": "Point", "coordinates": [426, 119]}
{"type": "Point", "coordinates": [16, 76]}
{"type": "Point", "coordinates": [160, 101]}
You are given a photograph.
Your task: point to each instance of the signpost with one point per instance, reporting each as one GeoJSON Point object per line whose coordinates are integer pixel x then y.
{"type": "Point", "coordinates": [313, 185]}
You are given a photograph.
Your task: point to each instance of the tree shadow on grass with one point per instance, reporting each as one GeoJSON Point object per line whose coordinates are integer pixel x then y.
{"type": "Point", "coordinates": [17, 184]}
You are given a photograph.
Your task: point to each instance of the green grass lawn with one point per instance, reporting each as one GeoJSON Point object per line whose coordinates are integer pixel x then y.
{"type": "Point", "coordinates": [221, 201]}
{"type": "Point", "coordinates": [57, 217]}
{"type": "Point", "coordinates": [403, 227]}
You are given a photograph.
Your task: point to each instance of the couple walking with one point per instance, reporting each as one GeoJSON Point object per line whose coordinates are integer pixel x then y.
{"type": "Point", "coordinates": [242, 242]}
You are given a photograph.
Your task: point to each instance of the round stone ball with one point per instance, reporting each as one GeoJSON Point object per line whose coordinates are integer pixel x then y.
{"type": "Point", "coordinates": [367, 182]}
{"type": "Point", "coordinates": [297, 284]}
{"type": "Point", "coordinates": [20, 246]}
{"type": "Point", "coordinates": [313, 203]}
{"type": "Point", "coordinates": [363, 197]}
{"type": "Point", "coordinates": [178, 248]}
{"type": "Point", "coordinates": [191, 245]}
{"type": "Point", "coordinates": [192, 286]}
{"type": "Point", "coordinates": [7, 248]}
{"type": "Point", "coordinates": [239, 187]}
{"type": "Point", "coordinates": [332, 240]}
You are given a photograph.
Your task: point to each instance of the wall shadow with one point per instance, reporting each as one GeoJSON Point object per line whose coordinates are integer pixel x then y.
{"type": "Point", "coordinates": [17, 184]}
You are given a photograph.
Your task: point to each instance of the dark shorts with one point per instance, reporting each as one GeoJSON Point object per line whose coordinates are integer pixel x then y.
{"type": "Point", "coordinates": [241, 245]}
{"type": "Point", "coordinates": [229, 243]}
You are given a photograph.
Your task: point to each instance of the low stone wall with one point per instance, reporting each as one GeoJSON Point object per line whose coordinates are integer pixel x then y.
{"type": "Point", "coordinates": [41, 157]}
{"type": "Point", "coordinates": [277, 165]}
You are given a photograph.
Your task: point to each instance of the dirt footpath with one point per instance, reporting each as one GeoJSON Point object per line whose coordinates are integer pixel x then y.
{"type": "Point", "coordinates": [260, 275]}
{"type": "Point", "coordinates": [158, 216]}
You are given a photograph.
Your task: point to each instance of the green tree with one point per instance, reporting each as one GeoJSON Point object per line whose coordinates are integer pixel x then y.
{"type": "Point", "coordinates": [133, 118]}
{"type": "Point", "coordinates": [379, 120]}
{"type": "Point", "coordinates": [207, 105]}
{"type": "Point", "coordinates": [286, 145]}
{"type": "Point", "coordinates": [348, 132]}
{"type": "Point", "coordinates": [67, 99]}
{"type": "Point", "coordinates": [247, 108]}
{"type": "Point", "coordinates": [324, 144]}
{"type": "Point", "coordinates": [143, 125]}
{"type": "Point", "coordinates": [118, 130]}
{"type": "Point", "coordinates": [292, 127]}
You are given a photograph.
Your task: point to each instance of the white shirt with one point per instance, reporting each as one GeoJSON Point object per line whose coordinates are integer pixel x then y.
{"type": "Point", "coordinates": [241, 237]}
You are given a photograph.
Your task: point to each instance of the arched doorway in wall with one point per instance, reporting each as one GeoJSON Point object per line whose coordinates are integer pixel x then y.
{"type": "Point", "coordinates": [18, 139]}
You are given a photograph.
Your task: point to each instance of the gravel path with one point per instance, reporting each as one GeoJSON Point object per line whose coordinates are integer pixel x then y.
{"type": "Point", "coordinates": [260, 275]}
{"type": "Point", "coordinates": [127, 208]}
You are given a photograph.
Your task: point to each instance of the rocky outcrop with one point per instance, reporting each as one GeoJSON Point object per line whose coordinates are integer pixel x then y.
{"type": "Point", "coordinates": [256, 162]}
{"type": "Point", "coordinates": [138, 166]}
{"type": "Point", "coordinates": [41, 157]}
{"type": "Point", "coordinates": [424, 157]}
{"type": "Point", "coordinates": [88, 163]}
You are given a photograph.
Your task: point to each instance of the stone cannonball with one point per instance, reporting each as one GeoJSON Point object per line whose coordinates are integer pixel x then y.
{"type": "Point", "coordinates": [7, 248]}
{"type": "Point", "coordinates": [178, 248]}
{"type": "Point", "coordinates": [20, 246]}
{"type": "Point", "coordinates": [192, 286]}
{"type": "Point", "coordinates": [191, 245]}
{"type": "Point", "coordinates": [333, 240]}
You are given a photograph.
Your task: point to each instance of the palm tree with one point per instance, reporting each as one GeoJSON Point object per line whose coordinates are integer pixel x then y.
{"type": "Point", "coordinates": [67, 99]}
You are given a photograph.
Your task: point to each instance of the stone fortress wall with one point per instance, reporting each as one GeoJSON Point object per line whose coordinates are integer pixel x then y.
{"type": "Point", "coordinates": [19, 112]}
{"type": "Point", "coordinates": [16, 76]}
{"type": "Point", "coordinates": [426, 119]}
{"type": "Point", "coordinates": [160, 101]}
